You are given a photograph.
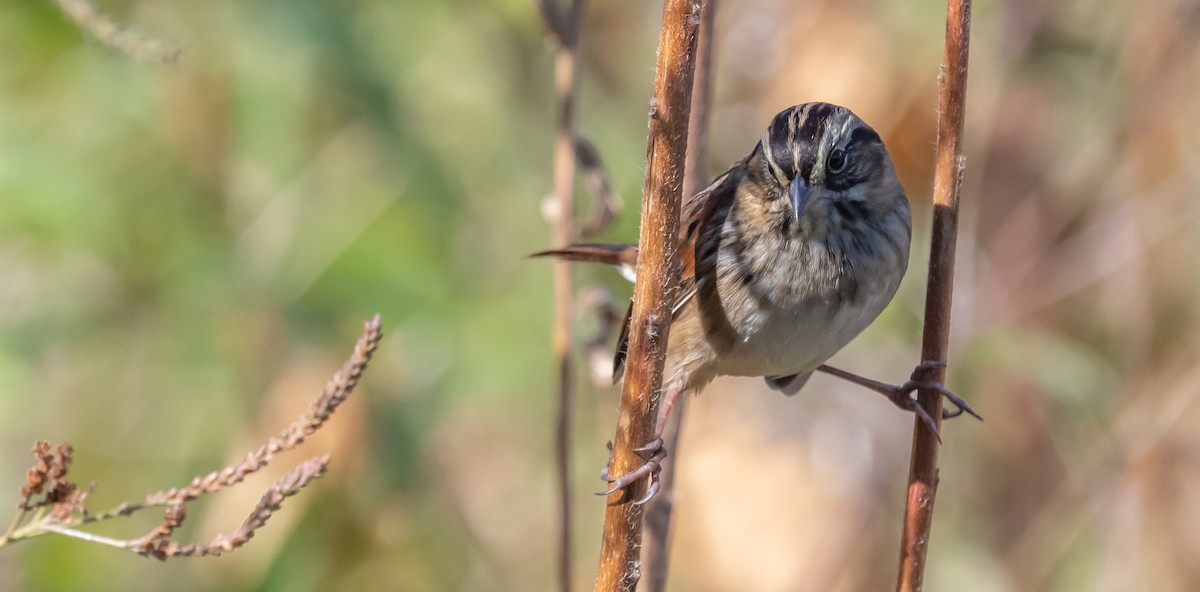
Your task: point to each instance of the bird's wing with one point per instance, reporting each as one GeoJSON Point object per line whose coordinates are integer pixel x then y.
{"type": "Point", "coordinates": [700, 211]}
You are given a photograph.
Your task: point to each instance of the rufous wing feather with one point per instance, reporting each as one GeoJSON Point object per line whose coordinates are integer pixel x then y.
{"type": "Point", "coordinates": [699, 212]}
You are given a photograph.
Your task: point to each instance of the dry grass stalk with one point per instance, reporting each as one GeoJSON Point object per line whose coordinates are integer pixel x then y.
{"type": "Point", "coordinates": [104, 30]}
{"type": "Point", "coordinates": [158, 544]}
{"type": "Point", "coordinates": [656, 552]}
{"type": "Point", "coordinates": [947, 184]}
{"type": "Point", "coordinates": [657, 278]}
{"type": "Point", "coordinates": [57, 504]}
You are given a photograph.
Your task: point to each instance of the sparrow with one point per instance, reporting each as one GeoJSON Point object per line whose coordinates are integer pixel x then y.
{"type": "Point", "coordinates": [784, 259]}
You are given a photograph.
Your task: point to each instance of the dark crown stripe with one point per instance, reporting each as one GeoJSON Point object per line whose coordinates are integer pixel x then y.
{"type": "Point", "coordinates": [864, 135]}
{"type": "Point", "coordinates": [816, 116]}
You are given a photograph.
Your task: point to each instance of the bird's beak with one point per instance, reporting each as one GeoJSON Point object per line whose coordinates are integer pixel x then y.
{"type": "Point", "coordinates": [799, 191]}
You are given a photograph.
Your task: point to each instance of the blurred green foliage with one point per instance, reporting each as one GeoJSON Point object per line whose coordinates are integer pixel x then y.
{"type": "Point", "coordinates": [187, 253]}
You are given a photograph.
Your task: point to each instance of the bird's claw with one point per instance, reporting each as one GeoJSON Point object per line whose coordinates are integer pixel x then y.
{"type": "Point", "coordinates": [902, 397]}
{"type": "Point", "coordinates": [654, 453]}
{"type": "Point", "coordinates": [918, 382]}
{"type": "Point", "coordinates": [650, 448]}
{"type": "Point", "coordinates": [907, 403]}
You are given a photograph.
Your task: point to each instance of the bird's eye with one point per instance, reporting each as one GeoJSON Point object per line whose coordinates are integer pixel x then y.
{"type": "Point", "coordinates": [837, 161]}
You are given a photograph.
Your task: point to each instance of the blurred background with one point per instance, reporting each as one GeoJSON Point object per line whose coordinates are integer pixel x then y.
{"type": "Point", "coordinates": [187, 253]}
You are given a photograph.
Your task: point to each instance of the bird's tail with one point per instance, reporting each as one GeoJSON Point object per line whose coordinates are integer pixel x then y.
{"type": "Point", "coordinates": [621, 256]}
{"type": "Point", "coordinates": [624, 258]}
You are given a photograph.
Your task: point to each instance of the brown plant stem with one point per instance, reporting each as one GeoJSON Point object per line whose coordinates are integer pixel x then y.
{"type": "Point", "coordinates": [657, 279]}
{"type": "Point", "coordinates": [947, 184]}
{"type": "Point", "coordinates": [565, 28]}
{"type": "Point", "coordinates": [656, 554]}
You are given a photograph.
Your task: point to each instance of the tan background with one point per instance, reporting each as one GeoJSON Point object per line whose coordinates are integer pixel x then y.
{"type": "Point", "coordinates": [186, 254]}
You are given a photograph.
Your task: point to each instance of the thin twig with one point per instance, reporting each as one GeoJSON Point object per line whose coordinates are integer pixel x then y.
{"type": "Point", "coordinates": [656, 552]}
{"type": "Point", "coordinates": [564, 26]}
{"type": "Point", "coordinates": [657, 278]}
{"type": "Point", "coordinates": [923, 471]}
{"type": "Point", "coordinates": [86, 536]}
{"type": "Point", "coordinates": [12, 526]}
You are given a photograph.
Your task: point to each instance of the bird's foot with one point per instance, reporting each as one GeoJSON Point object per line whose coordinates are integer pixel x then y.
{"type": "Point", "coordinates": [653, 453]}
{"type": "Point", "coordinates": [903, 396]}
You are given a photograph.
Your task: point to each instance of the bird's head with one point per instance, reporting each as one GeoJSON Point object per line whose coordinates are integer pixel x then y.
{"type": "Point", "coordinates": [828, 164]}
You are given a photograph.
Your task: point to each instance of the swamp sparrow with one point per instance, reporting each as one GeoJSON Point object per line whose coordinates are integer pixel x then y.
{"type": "Point", "coordinates": [784, 259]}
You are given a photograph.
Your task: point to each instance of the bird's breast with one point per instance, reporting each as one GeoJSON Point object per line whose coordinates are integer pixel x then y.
{"type": "Point", "coordinates": [790, 337]}
{"type": "Point", "coordinates": [793, 304]}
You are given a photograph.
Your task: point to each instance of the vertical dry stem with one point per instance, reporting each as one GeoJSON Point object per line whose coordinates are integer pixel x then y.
{"type": "Point", "coordinates": [564, 26]}
{"type": "Point", "coordinates": [563, 234]}
{"type": "Point", "coordinates": [923, 472]}
{"type": "Point", "coordinates": [656, 552]}
{"type": "Point", "coordinates": [657, 277]}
